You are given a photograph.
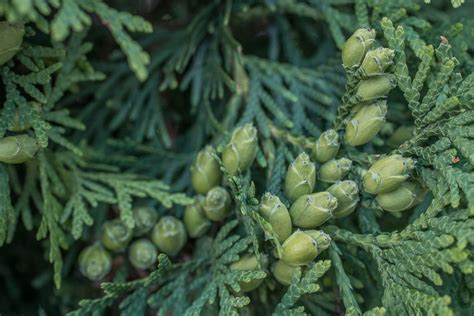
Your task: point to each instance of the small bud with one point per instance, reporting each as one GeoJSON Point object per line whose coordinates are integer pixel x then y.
{"type": "Point", "coordinates": [387, 174]}
{"type": "Point", "coordinates": [217, 204]}
{"type": "Point", "coordinates": [205, 171]}
{"type": "Point", "coordinates": [406, 196]}
{"type": "Point", "coordinates": [302, 247]}
{"type": "Point", "coordinates": [374, 88]}
{"type": "Point", "coordinates": [116, 235]}
{"type": "Point", "coordinates": [11, 38]}
{"type": "Point", "coordinates": [95, 262]}
{"type": "Point", "coordinates": [356, 46]}
{"type": "Point", "coordinates": [169, 235]}
{"type": "Point", "coordinates": [376, 61]}
{"type": "Point", "coordinates": [312, 210]}
{"type": "Point", "coordinates": [334, 170]}
{"type": "Point", "coordinates": [145, 218]}
{"type": "Point", "coordinates": [16, 126]}
{"type": "Point", "coordinates": [300, 177]}
{"type": "Point", "coordinates": [283, 272]}
{"type": "Point", "coordinates": [240, 152]}
{"type": "Point", "coordinates": [247, 263]}
{"type": "Point", "coordinates": [195, 220]}
{"type": "Point", "coordinates": [347, 195]}
{"type": "Point", "coordinates": [17, 149]}
{"type": "Point", "coordinates": [326, 146]}
{"type": "Point", "coordinates": [401, 135]}
{"type": "Point", "coordinates": [142, 254]}
{"type": "Point", "coordinates": [276, 213]}
{"type": "Point", "coordinates": [366, 123]}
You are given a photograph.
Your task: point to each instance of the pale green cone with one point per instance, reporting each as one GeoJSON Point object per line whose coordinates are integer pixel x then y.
{"type": "Point", "coordinates": [366, 123]}
{"type": "Point", "coordinates": [195, 220]}
{"type": "Point", "coordinates": [217, 204]}
{"type": "Point", "coordinates": [247, 262]}
{"type": "Point", "coordinates": [94, 262]}
{"type": "Point", "coordinates": [387, 173]}
{"type": "Point", "coordinates": [377, 60]}
{"type": "Point", "coordinates": [347, 195]}
{"type": "Point", "coordinates": [11, 38]}
{"type": "Point", "coordinates": [142, 254]}
{"type": "Point", "coordinates": [401, 135]}
{"type": "Point", "coordinates": [313, 210]}
{"type": "Point", "coordinates": [169, 235]}
{"type": "Point", "coordinates": [283, 272]}
{"type": "Point", "coordinates": [326, 147]}
{"type": "Point", "coordinates": [300, 177]}
{"type": "Point", "coordinates": [116, 235]}
{"type": "Point", "coordinates": [240, 152]}
{"type": "Point", "coordinates": [205, 171]}
{"type": "Point", "coordinates": [374, 88]}
{"type": "Point", "coordinates": [406, 196]}
{"type": "Point", "coordinates": [334, 170]}
{"type": "Point", "coordinates": [356, 46]}
{"type": "Point", "coordinates": [145, 218]}
{"type": "Point", "coordinates": [302, 247]}
{"type": "Point", "coordinates": [17, 149]}
{"type": "Point", "coordinates": [276, 213]}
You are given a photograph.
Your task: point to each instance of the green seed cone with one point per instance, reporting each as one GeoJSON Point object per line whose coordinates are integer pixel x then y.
{"type": "Point", "coordinates": [387, 174]}
{"type": "Point", "coordinates": [357, 46]}
{"type": "Point", "coordinates": [334, 170]}
{"type": "Point", "coordinates": [169, 235]}
{"type": "Point", "coordinates": [374, 88]}
{"type": "Point", "coordinates": [17, 149]}
{"type": "Point", "coordinates": [240, 152]}
{"type": "Point", "coordinates": [145, 218]}
{"type": "Point", "coordinates": [276, 213]}
{"type": "Point", "coordinates": [347, 195]}
{"type": "Point", "coordinates": [326, 146]}
{"type": "Point", "coordinates": [116, 235]}
{"type": "Point", "coordinates": [376, 61]}
{"type": "Point", "coordinates": [300, 177]}
{"type": "Point", "coordinates": [196, 222]}
{"type": "Point", "coordinates": [217, 204]}
{"type": "Point", "coordinates": [312, 210]}
{"type": "Point", "coordinates": [205, 171]}
{"type": "Point", "coordinates": [401, 135]}
{"type": "Point", "coordinates": [95, 262]}
{"type": "Point", "coordinates": [406, 196]}
{"type": "Point", "coordinates": [283, 272]}
{"type": "Point", "coordinates": [302, 247]}
{"type": "Point", "coordinates": [16, 126]}
{"type": "Point", "coordinates": [142, 254]}
{"type": "Point", "coordinates": [11, 38]}
{"type": "Point", "coordinates": [366, 123]}
{"type": "Point", "coordinates": [247, 263]}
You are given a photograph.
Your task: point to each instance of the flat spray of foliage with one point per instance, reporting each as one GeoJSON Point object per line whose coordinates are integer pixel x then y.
{"type": "Point", "coordinates": [129, 91]}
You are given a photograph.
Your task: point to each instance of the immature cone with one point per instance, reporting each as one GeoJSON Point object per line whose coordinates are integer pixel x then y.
{"type": "Point", "coordinates": [374, 88]}
{"type": "Point", "coordinates": [247, 263]}
{"type": "Point", "coordinates": [302, 247]}
{"type": "Point", "coordinates": [195, 219]}
{"type": "Point", "coordinates": [16, 126]}
{"type": "Point", "coordinates": [300, 177]}
{"type": "Point", "coordinates": [205, 171]}
{"type": "Point", "coordinates": [276, 213]}
{"type": "Point", "coordinates": [376, 61]}
{"type": "Point", "coordinates": [169, 235]}
{"type": "Point", "coordinates": [11, 38]}
{"type": "Point", "coordinates": [326, 146]}
{"type": "Point", "coordinates": [17, 149]}
{"type": "Point", "coordinates": [366, 123]}
{"type": "Point", "coordinates": [283, 272]}
{"type": "Point", "coordinates": [313, 210]}
{"type": "Point", "coordinates": [217, 204]}
{"type": "Point", "coordinates": [357, 46]}
{"type": "Point", "coordinates": [347, 195]}
{"type": "Point", "coordinates": [406, 196]}
{"type": "Point", "coordinates": [95, 262]}
{"type": "Point", "coordinates": [334, 170]}
{"type": "Point", "coordinates": [240, 152]}
{"type": "Point", "coordinates": [145, 218]}
{"type": "Point", "coordinates": [387, 174]}
{"type": "Point", "coordinates": [142, 254]}
{"type": "Point", "coordinates": [401, 135]}
{"type": "Point", "coordinates": [116, 235]}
